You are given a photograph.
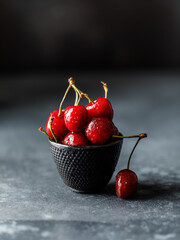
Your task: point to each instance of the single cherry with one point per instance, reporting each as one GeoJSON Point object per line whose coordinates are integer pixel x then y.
{"type": "Point", "coordinates": [126, 180]}
{"type": "Point", "coordinates": [75, 118]}
{"type": "Point", "coordinates": [58, 125]}
{"type": "Point", "coordinates": [99, 130]}
{"type": "Point", "coordinates": [100, 108]}
{"type": "Point", "coordinates": [75, 139]}
{"type": "Point", "coordinates": [126, 183]}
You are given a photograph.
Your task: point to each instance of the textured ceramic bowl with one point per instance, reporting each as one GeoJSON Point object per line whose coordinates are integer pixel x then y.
{"type": "Point", "coordinates": [86, 169]}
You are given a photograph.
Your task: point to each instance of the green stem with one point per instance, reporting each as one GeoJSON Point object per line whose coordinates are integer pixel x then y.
{"type": "Point", "coordinates": [140, 136]}
{"type": "Point", "coordinates": [77, 99]}
{"type": "Point", "coordinates": [132, 152]}
{"type": "Point", "coordinates": [72, 83]}
{"type": "Point", "coordinates": [84, 94]}
{"type": "Point", "coordinates": [134, 136]}
{"type": "Point", "coordinates": [60, 107]}
{"type": "Point", "coordinates": [76, 90]}
{"type": "Point", "coordinates": [50, 127]}
{"type": "Point", "coordinates": [43, 131]}
{"type": "Point", "coordinates": [105, 89]}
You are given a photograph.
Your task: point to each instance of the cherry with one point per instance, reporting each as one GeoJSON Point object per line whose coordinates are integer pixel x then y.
{"type": "Point", "coordinates": [75, 139]}
{"type": "Point", "coordinates": [58, 125]}
{"type": "Point", "coordinates": [99, 130]}
{"type": "Point", "coordinates": [126, 183]}
{"type": "Point", "coordinates": [126, 180]}
{"type": "Point", "coordinates": [100, 108]}
{"type": "Point", "coordinates": [75, 118]}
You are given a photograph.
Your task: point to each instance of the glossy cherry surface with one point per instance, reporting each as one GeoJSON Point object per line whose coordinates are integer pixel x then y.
{"type": "Point", "coordinates": [99, 130]}
{"type": "Point", "coordinates": [75, 139]}
{"type": "Point", "coordinates": [126, 183]}
{"type": "Point", "coordinates": [75, 118]}
{"type": "Point", "coordinates": [58, 125]}
{"type": "Point", "coordinates": [100, 108]}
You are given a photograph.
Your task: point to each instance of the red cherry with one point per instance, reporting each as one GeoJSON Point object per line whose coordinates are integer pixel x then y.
{"type": "Point", "coordinates": [100, 108]}
{"type": "Point", "coordinates": [75, 118]}
{"type": "Point", "coordinates": [58, 125]}
{"type": "Point", "coordinates": [75, 139]}
{"type": "Point", "coordinates": [99, 130]}
{"type": "Point", "coordinates": [126, 183]}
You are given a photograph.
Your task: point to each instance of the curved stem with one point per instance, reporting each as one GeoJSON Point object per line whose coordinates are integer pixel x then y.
{"type": "Point", "coordinates": [132, 152]}
{"type": "Point", "coordinates": [77, 99]}
{"type": "Point", "coordinates": [105, 89]}
{"type": "Point", "coordinates": [60, 106]}
{"type": "Point", "coordinates": [76, 89]}
{"type": "Point", "coordinates": [90, 100]}
{"type": "Point", "coordinates": [50, 127]}
{"type": "Point", "coordinates": [140, 136]}
{"type": "Point", "coordinates": [72, 82]}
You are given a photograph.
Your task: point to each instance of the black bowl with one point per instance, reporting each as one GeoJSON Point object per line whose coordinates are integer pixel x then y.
{"type": "Point", "coordinates": [86, 169]}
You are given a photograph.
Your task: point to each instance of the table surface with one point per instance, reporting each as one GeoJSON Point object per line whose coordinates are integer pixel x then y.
{"type": "Point", "coordinates": [36, 204]}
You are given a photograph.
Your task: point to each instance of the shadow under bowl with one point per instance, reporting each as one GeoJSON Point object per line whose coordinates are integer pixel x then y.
{"type": "Point", "coordinates": [86, 169]}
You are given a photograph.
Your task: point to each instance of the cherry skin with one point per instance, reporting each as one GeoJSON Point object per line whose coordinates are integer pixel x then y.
{"type": "Point", "coordinates": [75, 118]}
{"type": "Point", "coordinates": [126, 183]}
{"type": "Point", "coordinates": [58, 125]}
{"type": "Point", "coordinates": [75, 139]}
{"type": "Point", "coordinates": [99, 130]}
{"type": "Point", "coordinates": [100, 108]}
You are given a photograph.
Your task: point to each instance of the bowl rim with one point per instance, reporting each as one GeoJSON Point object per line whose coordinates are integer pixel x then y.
{"type": "Point", "coordinates": [60, 145]}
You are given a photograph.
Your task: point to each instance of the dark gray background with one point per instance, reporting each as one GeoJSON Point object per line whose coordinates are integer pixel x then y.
{"type": "Point", "coordinates": [84, 33]}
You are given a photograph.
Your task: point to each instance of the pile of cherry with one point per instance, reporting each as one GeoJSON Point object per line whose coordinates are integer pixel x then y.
{"type": "Point", "coordinates": [91, 125]}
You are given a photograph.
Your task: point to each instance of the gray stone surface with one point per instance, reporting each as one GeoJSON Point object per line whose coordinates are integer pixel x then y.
{"type": "Point", "coordinates": [35, 203]}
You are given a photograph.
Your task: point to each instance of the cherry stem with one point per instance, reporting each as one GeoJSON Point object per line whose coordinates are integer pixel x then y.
{"type": "Point", "coordinates": [50, 127]}
{"type": "Point", "coordinates": [140, 136]}
{"type": "Point", "coordinates": [133, 136]}
{"type": "Point", "coordinates": [72, 83]}
{"type": "Point", "coordinates": [43, 131]}
{"type": "Point", "coordinates": [77, 99]}
{"type": "Point", "coordinates": [105, 89]}
{"type": "Point", "coordinates": [81, 96]}
{"type": "Point", "coordinates": [128, 165]}
{"type": "Point", "coordinates": [60, 106]}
